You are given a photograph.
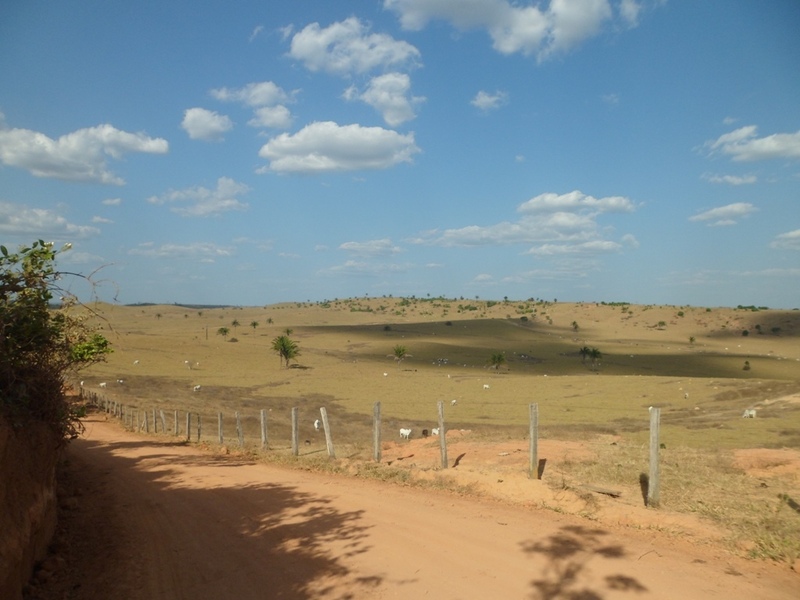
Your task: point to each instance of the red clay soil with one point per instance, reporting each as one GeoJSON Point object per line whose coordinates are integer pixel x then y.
{"type": "Point", "coordinates": [145, 518]}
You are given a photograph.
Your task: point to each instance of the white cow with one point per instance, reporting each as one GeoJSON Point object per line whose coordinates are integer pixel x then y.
{"type": "Point", "coordinates": [405, 434]}
{"type": "Point", "coordinates": [317, 425]}
{"type": "Point", "coordinates": [435, 431]}
{"type": "Point", "coordinates": [749, 413]}
{"type": "Point", "coordinates": [196, 388]}
{"type": "Point", "coordinates": [104, 384]}
{"type": "Point", "coordinates": [486, 386]}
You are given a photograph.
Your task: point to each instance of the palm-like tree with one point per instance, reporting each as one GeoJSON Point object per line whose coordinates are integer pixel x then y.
{"type": "Point", "coordinates": [254, 324]}
{"type": "Point", "coordinates": [285, 348]}
{"type": "Point", "coordinates": [235, 323]}
{"type": "Point", "coordinates": [400, 353]}
{"type": "Point", "coordinates": [595, 355]}
{"type": "Point", "coordinates": [584, 352]}
{"type": "Point", "coordinates": [496, 360]}
{"type": "Point", "coordinates": [223, 331]}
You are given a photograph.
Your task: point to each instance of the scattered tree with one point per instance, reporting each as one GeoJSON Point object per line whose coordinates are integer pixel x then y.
{"type": "Point", "coordinates": [584, 352]}
{"type": "Point", "coordinates": [223, 331]}
{"type": "Point", "coordinates": [400, 353]}
{"type": "Point", "coordinates": [496, 360]}
{"type": "Point", "coordinates": [254, 324]}
{"type": "Point", "coordinates": [575, 326]}
{"type": "Point", "coordinates": [235, 323]}
{"type": "Point", "coordinates": [285, 348]}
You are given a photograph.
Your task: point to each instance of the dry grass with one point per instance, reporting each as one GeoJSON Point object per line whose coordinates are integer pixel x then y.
{"type": "Point", "coordinates": [688, 361]}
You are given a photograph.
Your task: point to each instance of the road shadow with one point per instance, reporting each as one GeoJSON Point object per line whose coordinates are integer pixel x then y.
{"type": "Point", "coordinates": [565, 572]}
{"type": "Point", "coordinates": [169, 535]}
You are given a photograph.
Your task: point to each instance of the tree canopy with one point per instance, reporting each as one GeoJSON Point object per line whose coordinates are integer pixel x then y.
{"type": "Point", "coordinates": [41, 345]}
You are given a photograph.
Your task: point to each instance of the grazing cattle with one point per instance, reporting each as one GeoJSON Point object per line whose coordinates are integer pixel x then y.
{"type": "Point", "coordinates": [424, 433]}
{"type": "Point", "coordinates": [120, 381]}
{"type": "Point", "coordinates": [453, 402]}
{"type": "Point", "coordinates": [749, 413]}
{"type": "Point", "coordinates": [486, 386]}
{"type": "Point", "coordinates": [196, 388]}
{"type": "Point", "coordinates": [405, 434]}
{"type": "Point", "coordinates": [104, 384]}
{"type": "Point", "coordinates": [136, 362]}
{"type": "Point", "coordinates": [435, 431]}
{"type": "Point", "coordinates": [317, 425]}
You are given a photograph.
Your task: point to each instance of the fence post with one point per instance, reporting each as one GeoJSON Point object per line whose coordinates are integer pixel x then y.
{"type": "Point", "coordinates": [199, 426]}
{"type": "Point", "coordinates": [219, 427]}
{"type": "Point", "coordinates": [264, 443]}
{"type": "Point", "coordinates": [163, 421]}
{"type": "Point", "coordinates": [188, 426]}
{"type": "Point", "coordinates": [295, 433]}
{"type": "Point", "coordinates": [376, 432]}
{"type": "Point", "coordinates": [533, 468]}
{"type": "Point", "coordinates": [328, 439]}
{"type": "Point", "coordinates": [146, 424]}
{"type": "Point", "coordinates": [155, 421]}
{"type": "Point", "coordinates": [653, 483]}
{"type": "Point", "coordinates": [442, 434]}
{"type": "Point", "coordinates": [176, 423]}
{"type": "Point", "coordinates": [239, 431]}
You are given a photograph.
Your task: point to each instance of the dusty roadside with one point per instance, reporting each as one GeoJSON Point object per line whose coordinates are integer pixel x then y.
{"type": "Point", "coordinates": [148, 518]}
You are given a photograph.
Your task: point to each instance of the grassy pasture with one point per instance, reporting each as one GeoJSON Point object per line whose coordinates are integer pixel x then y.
{"type": "Point", "coordinates": [347, 347]}
{"type": "Point", "coordinates": [687, 361]}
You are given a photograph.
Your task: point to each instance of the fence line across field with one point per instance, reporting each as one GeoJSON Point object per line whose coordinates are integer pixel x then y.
{"type": "Point", "coordinates": [257, 428]}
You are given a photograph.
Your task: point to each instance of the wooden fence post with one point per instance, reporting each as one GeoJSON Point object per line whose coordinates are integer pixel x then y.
{"type": "Point", "coordinates": [146, 425]}
{"type": "Point", "coordinates": [239, 432]}
{"type": "Point", "coordinates": [295, 433]}
{"type": "Point", "coordinates": [533, 467]}
{"type": "Point", "coordinates": [653, 483]}
{"type": "Point", "coordinates": [176, 423]}
{"type": "Point", "coordinates": [155, 421]}
{"type": "Point", "coordinates": [328, 439]}
{"type": "Point", "coordinates": [219, 427]}
{"type": "Point", "coordinates": [442, 434]}
{"type": "Point", "coordinates": [264, 442]}
{"type": "Point", "coordinates": [163, 421]}
{"type": "Point", "coordinates": [188, 426]}
{"type": "Point", "coordinates": [376, 432]}
{"type": "Point", "coordinates": [199, 426]}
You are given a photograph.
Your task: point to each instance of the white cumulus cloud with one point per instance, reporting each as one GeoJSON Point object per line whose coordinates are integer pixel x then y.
{"type": "Point", "coordinates": [349, 47]}
{"type": "Point", "coordinates": [327, 146]}
{"type": "Point", "coordinates": [22, 221]}
{"type": "Point", "coordinates": [200, 201]}
{"type": "Point", "coordinates": [381, 247]}
{"type": "Point", "coordinates": [389, 94]}
{"type": "Point", "coordinates": [730, 179]}
{"type": "Point", "coordinates": [725, 215]}
{"type": "Point", "coordinates": [551, 224]}
{"type": "Point", "coordinates": [541, 29]}
{"type": "Point", "coordinates": [787, 241]}
{"type": "Point", "coordinates": [202, 124]}
{"type": "Point", "coordinates": [487, 101]}
{"type": "Point", "coordinates": [267, 99]}
{"type": "Point", "coordinates": [77, 156]}
{"type": "Point", "coordinates": [200, 251]}
{"type": "Point", "coordinates": [743, 145]}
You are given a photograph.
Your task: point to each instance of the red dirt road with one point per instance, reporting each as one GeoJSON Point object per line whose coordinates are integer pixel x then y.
{"type": "Point", "coordinates": [160, 520]}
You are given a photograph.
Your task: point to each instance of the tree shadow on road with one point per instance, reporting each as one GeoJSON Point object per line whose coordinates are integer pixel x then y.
{"type": "Point", "coordinates": [566, 573]}
{"type": "Point", "coordinates": [227, 536]}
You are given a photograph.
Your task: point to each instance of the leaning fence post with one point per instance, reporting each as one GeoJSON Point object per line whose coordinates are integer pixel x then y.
{"type": "Point", "coordinates": [653, 483]}
{"type": "Point", "coordinates": [219, 427]}
{"type": "Point", "coordinates": [442, 434]}
{"type": "Point", "coordinates": [239, 431]}
{"type": "Point", "coordinates": [376, 432]}
{"type": "Point", "coordinates": [295, 433]}
{"type": "Point", "coordinates": [533, 467]}
{"type": "Point", "coordinates": [328, 439]}
{"type": "Point", "coordinates": [264, 443]}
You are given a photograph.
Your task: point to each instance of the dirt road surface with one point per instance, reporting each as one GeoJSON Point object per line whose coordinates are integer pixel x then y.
{"type": "Point", "coordinates": [149, 519]}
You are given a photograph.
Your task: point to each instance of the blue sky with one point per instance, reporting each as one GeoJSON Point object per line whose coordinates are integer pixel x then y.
{"type": "Point", "coordinates": [257, 152]}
